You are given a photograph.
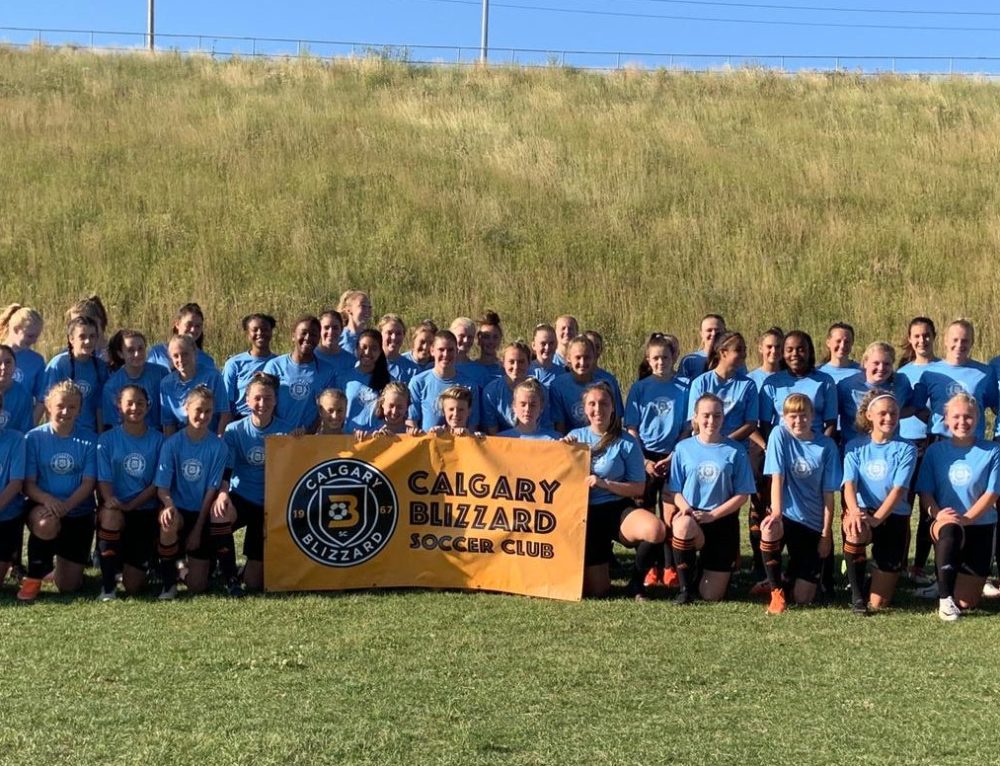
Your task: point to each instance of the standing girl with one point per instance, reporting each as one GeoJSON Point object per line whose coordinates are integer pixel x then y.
{"type": "Point", "coordinates": [356, 308]}
{"type": "Point", "coordinates": [528, 405]}
{"type": "Point", "coordinates": [80, 365]}
{"type": "Point", "coordinates": [128, 518]}
{"type": "Point", "coordinates": [735, 390]}
{"type": "Point", "coordinates": [18, 410]}
{"type": "Point", "coordinates": [837, 362]}
{"type": "Point", "coordinates": [488, 336]}
{"type": "Point", "coordinates": [365, 382]}
{"type": "Point", "coordinates": [876, 372]}
{"type": "Point", "coordinates": [128, 366]}
{"type": "Point", "coordinates": [711, 480]}
{"type": "Point", "coordinates": [804, 466]}
{"type": "Point", "coordinates": [20, 327]}
{"type": "Point", "coordinates": [60, 475]}
{"type": "Point", "coordinates": [301, 377]}
{"type": "Point", "coordinates": [329, 352]}
{"type": "Point", "coordinates": [498, 395]}
{"type": "Point", "coordinates": [878, 471]}
{"type": "Point", "coordinates": [192, 466]}
{"type": "Point", "coordinates": [959, 481]}
{"type": "Point", "coordinates": [186, 376]}
{"type": "Point", "coordinates": [616, 477]}
{"type": "Point", "coordinates": [567, 389]}
{"type": "Point", "coordinates": [694, 364]}
{"type": "Point", "coordinates": [393, 334]}
{"type": "Point", "coordinates": [189, 320]}
{"type": "Point", "coordinates": [421, 340]}
{"type": "Point", "coordinates": [799, 375]}
{"type": "Point", "coordinates": [543, 346]}
{"type": "Point", "coordinates": [464, 330]}
{"type": "Point", "coordinates": [426, 387]}
{"type": "Point", "coordinates": [239, 370]}
{"type": "Point", "coordinates": [567, 328]}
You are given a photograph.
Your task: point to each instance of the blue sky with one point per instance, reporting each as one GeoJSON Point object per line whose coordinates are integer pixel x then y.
{"type": "Point", "coordinates": [644, 26]}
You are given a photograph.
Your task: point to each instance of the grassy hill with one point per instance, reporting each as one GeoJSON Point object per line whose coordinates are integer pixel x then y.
{"type": "Point", "coordinates": [639, 200]}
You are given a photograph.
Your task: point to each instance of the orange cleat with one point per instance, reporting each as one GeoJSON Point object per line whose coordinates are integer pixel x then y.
{"type": "Point", "coordinates": [777, 605]}
{"type": "Point", "coordinates": [652, 578]}
{"type": "Point", "coordinates": [670, 578]}
{"type": "Point", "coordinates": [30, 588]}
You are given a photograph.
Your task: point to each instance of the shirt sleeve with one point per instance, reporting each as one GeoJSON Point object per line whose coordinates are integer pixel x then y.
{"type": "Point", "coordinates": [90, 460]}
{"type": "Point", "coordinates": [18, 460]}
{"type": "Point", "coordinates": [635, 466]}
{"type": "Point", "coordinates": [772, 455]}
{"type": "Point", "coordinates": [167, 417]}
{"type": "Point", "coordinates": [829, 401]}
{"type": "Point", "coordinates": [165, 466]}
{"type": "Point", "coordinates": [925, 476]}
{"type": "Point", "coordinates": [230, 381]}
{"type": "Point", "coordinates": [676, 483]}
{"type": "Point", "coordinates": [851, 466]}
{"type": "Point", "coordinates": [902, 475]}
{"type": "Point", "coordinates": [489, 414]}
{"type": "Point", "coordinates": [743, 481]}
{"type": "Point", "coordinates": [413, 412]}
{"type": "Point", "coordinates": [751, 403]}
{"type": "Point", "coordinates": [833, 475]}
{"type": "Point", "coordinates": [993, 477]}
{"type": "Point", "coordinates": [632, 416]}
{"type": "Point", "coordinates": [30, 457]}
{"type": "Point", "coordinates": [766, 405]}
{"type": "Point", "coordinates": [220, 395]}
{"type": "Point", "coordinates": [105, 469]}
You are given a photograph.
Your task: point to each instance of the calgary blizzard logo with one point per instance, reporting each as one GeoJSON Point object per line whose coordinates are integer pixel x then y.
{"type": "Point", "coordinates": [342, 512]}
{"type": "Point", "coordinates": [191, 469]}
{"type": "Point", "coordinates": [663, 407]}
{"type": "Point", "coordinates": [255, 456]}
{"type": "Point", "coordinates": [876, 470]}
{"type": "Point", "coordinates": [62, 463]}
{"type": "Point", "coordinates": [300, 389]}
{"type": "Point", "coordinates": [134, 465]}
{"type": "Point", "coordinates": [708, 471]}
{"type": "Point", "coordinates": [955, 388]}
{"type": "Point", "coordinates": [960, 474]}
{"type": "Point", "coordinates": [801, 467]}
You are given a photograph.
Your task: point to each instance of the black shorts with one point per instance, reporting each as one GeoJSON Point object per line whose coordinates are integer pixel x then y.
{"type": "Point", "coordinates": [203, 550]}
{"type": "Point", "coordinates": [251, 516]}
{"type": "Point", "coordinates": [140, 536]}
{"type": "Point", "coordinates": [604, 522]}
{"type": "Point", "coordinates": [802, 544]}
{"type": "Point", "coordinates": [722, 544]}
{"type": "Point", "coordinates": [891, 543]}
{"type": "Point", "coordinates": [654, 484]}
{"type": "Point", "coordinates": [977, 549]}
{"type": "Point", "coordinates": [76, 538]}
{"type": "Point", "coordinates": [11, 539]}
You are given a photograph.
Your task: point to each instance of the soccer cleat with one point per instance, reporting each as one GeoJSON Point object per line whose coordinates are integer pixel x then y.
{"type": "Point", "coordinates": [670, 578]}
{"type": "Point", "coordinates": [652, 577]}
{"type": "Point", "coordinates": [760, 588]}
{"type": "Point", "coordinates": [777, 605]}
{"type": "Point", "coordinates": [948, 610]}
{"type": "Point", "coordinates": [930, 591]}
{"type": "Point", "coordinates": [235, 589]}
{"type": "Point", "coordinates": [919, 577]}
{"type": "Point", "coordinates": [168, 594]}
{"type": "Point", "coordinates": [860, 608]}
{"type": "Point", "coordinates": [990, 590]}
{"type": "Point", "coordinates": [107, 595]}
{"type": "Point", "coordinates": [30, 588]}
{"type": "Point", "coordinates": [683, 598]}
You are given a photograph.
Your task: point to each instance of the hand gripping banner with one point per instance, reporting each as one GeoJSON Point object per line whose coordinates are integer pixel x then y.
{"type": "Point", "coordinates": [489, 513]}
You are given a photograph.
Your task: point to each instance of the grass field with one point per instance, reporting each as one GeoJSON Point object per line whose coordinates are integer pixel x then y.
{"type": "Point", "coordinates": [639, 200]}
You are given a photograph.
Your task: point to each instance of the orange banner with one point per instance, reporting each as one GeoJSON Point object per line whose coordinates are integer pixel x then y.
{"type": "Point", "coordinates": [490, 513]}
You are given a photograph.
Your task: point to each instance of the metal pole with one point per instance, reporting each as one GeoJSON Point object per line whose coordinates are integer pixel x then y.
{"type": "Point", "coordinates": [484, 39]}
{"type": "Point", "coordinates": [150, 25]}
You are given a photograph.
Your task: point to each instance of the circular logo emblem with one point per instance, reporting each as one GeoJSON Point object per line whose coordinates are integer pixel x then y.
{"type": "Point", "coordinates": [959, 473]}
{"type": "Point", "coordinates": [191, 469]}
{"type": "Point", "coordinates": [663, 407]}
{"type": "Point", "coordinates": [300, 389]}
{"type": "Point", "coordinates": [18, 376]}
{"type": "Point", "coordinates": [708, 471]}
{"type": "Point", "coordinates": [62, 463]}
{"type": "Point", "coordinates": [876, 470]}
{"type": "Point", "coordinates": [801, 467]}
{"type": "Point", "coordinates": [255, 455]}
{"type": "Point", "coordinates": [85, 387]}
{"type": "Point", "coordinates": [134, 465]}
{"type": "Point", "coordinates": [342, 512]}
{"type": "Point", "coordinates": [367, 395]}
{"type": "Point", "coordinates": [578, 414]}
{"type": "Point", "coordinates": [955, 387]}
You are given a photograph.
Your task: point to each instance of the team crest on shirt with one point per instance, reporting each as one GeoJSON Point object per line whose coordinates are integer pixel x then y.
{"type": "Point", "coordinates": [299, 389]}
{"type": "Point", "coordinates": [191, 469]}
{"type": "Point", "coordinates": [18, 376]}
{"type": "Point", "coordinates": [134, 465]}
{"type": "Point", "coordinates": [367, 395]}
{"type": "Point", "coordinates": [959, 473]}
{"type": "Point", "coordinates": [708, 471]}
{"type": "Point", "coordinates": [255, 455]}
{"type": "Point", "coordinates": [84, 386]}
{"type": "Point", "coordinates": [876, 470]}
{"type": "Point", "coordinates": [599, 463]}
{"type": "Point", "coordinates": [801, 468]}
{"type": "Point", "coordinates": [663, 407]}
{"type": "Point", "coordinates": [579, 416]}
{"type": "Point", "coordinates": [342, 512]}
{"type": "Point", "coordinates": [62, 463]}
{"type": "Point", "coordinates": [955, 388]}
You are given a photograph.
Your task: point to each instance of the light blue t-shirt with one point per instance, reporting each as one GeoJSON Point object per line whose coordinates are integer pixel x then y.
{"type": "Point", "coordinates": [128, 463]}
{"type": "Point", "coordinates": [913, 428]}
{"type": "Point", "coordinates": [173, 392]}
{"type": "Point", "coordinates": [740, 399]}
{"type": "Point", "coordinates": [160, 356]}
{"type": "Point", "coordinates": [809, 468]}
{"type": "Point", "coordinates": [246, 455]}
{"type": "Point", "coordinates": [361, 397]}
{"type": "Point", "coordinates": [421, 366]}
{"type": "Point", "coordinates": [59, 464]}
{"type": "Point", "coordinates": [338, 363]}
{"type": "Point", "coordinates": [692, 365]}
{"type": "Point", "coordinates": [566, 398]}
{"type": "Point", "coordinates": [541, 434]}
{"type": "Point", "coordinates": [707, 475]}
{"type": "Point", "coordinates": [349, 341]}
{"type": "Point", "coordinates": [852, 391]}
{"type": "Point", "coordinates": [148, 381]}
{"type": "Point", "coordinates": [838, 374]}
{"type": "Point", "coordinates": [425, 387]}
{"type": "Point", "coordinates": [481, 373]}
{"type": "Point", "coordinates": [657, 410]}
{"type": "Point", "coordinates": [18, 411]}
{"type": "Point", "coordinates": [498, 407]}
{"type": "Point", "coordinates": [545, 375]}
{"type": "Point", "coordinates": [758, 376]}
{"type": "Point", "coordinates": [189, 469]}
{"type": "Point", "coordinates": [818, 386]}
{"type": "Point", "coordinates": [299, 386]}
{"type": "Point", "coordinates": [620, 461]}
{"type": "Point", "coordinates": [89, 376]}
{"type": "Point", "coordinates": [237, 373]}
{"type": "Point", "coordinates": [876, 469]}
{"type": "Point", "coordinates": [13, 467]}
{"type": "Point", "coordinates": [402, 368]}
{"type": "Point", "coordinates": [958, 476]}
{"type": "Point", "coordinates": [943, 380]}
{"type": "Point", "coordinates": [29, 371]}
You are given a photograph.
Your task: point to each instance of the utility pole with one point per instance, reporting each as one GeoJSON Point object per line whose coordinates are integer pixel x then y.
{"type": "Point", "coordinates": [150, 26]}
{"type": "Point", "coordinates": [484, 42]}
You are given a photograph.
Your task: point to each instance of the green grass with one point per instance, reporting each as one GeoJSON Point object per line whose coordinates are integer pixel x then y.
{"type": "Point", "coordinates": [637, 200]}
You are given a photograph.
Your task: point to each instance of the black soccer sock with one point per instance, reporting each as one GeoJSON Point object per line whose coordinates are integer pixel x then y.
{"type": "Point", "coordinates": [668, 550]}
{"type": "Point", "coordinates": [758, 559]}
{"type": "Point", "coordinates": [922, 548]}
{"type": "Point", "coordinates": [108, 542]}
{"type": "Point", "coordinates": [826, 574]}
{"type": "Point", "coordinates": [770, 551]}
{"type": "Point", "coordinates": [948, 552]}
{"type": "Point", "coordinates": [686, 557]}
{"type": "Point", "coordinates": [857, 561]}
{"type": "Point", "coordinates": [645, 559]}
{"type": "Point", "coordinates": [224, 548]}
{"type": "Point", "coordinates": [40, 555]}
{"type": "Point", "coordinates": [168, 564]}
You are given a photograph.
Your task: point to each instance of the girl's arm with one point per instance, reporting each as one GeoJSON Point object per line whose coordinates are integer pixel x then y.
{"type": "Point", "coordinates": [731, 506]}
{"type": "Point", "coordinates": [80, 493]}
{"type": "Point", "coordinates": [777, 496]}
{"type": "Point", "coordinates": [621, 488]}
{"type": "Point", "coordinates": [225, 418]}
{"type": "Point", "coordinates": [743, 431]}
{"type": "Point", "coordinates": [851, 497]}
{"type": "Point", "coordinates": [33, 492]}
{"type": "Point", "coordinates": [12, 490]}
{"type": "Point", "coordinates": [985, 502]}
{"type": "Point", "coordinates": [830, 428]}
{"type": "Point", "coordinates": [885, 510]}
{"type": "Point", "coordinates": [107, 494]}
{"type": "Point", "coordinates": [141, 499]}
{"type": "Point", "coordinates": [826, 536]}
